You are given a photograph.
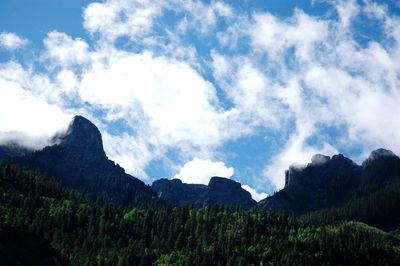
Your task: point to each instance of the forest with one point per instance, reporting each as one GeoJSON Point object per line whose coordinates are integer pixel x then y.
{"type": "Point", "coordinates": [43, 223]}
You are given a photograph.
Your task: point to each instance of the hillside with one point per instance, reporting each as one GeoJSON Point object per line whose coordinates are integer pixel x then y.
{"type": "Point", "coordinates": [76, 231]}
{"type": "Point", "coordinates": [78, 160]}
{"type": "Point", "coordinates": [333, 189]}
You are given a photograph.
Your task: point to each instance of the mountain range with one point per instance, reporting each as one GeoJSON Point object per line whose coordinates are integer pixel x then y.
{"type": "Point", "coordinates": [77, 159]}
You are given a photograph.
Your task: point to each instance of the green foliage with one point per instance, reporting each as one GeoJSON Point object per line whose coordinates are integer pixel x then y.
{"type": "Point", "coordinates": [83, 232]}
{"type": "Point", "coordinates": [376, 205]}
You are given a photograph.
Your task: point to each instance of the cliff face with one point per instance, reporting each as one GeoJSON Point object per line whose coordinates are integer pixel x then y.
{"type": "Point", "coordinates": [176, 193]}
{"type": "Point", "coordinates": [323, 182]}
{"type": "Point", "coordinates": [78, 159]}
{"type": "Point", "coordinates": [226, 191]}
{"type": "Point", "coordinates": [328, 182]}
{"type": "Point", "coordinates": [218, 191]}
{"type": "Point", "coordinates": [78, 154]}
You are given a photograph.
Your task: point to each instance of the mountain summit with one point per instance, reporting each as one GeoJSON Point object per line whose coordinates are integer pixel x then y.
{"type": "Point", "coordinates": [330, 182]}
{"type": "Point", "coordinates": [378, 154]}
{"type": "Point", "coordinates": [78, 159]}
{"type": "Point", "coordinates": [82, 134]}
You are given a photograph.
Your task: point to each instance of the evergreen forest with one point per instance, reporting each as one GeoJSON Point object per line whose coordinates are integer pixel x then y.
{"type": "Point", "coordinates": [42, 223]}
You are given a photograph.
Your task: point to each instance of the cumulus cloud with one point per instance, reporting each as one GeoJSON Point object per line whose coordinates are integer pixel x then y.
{"type": "Point", "coordinates": [170, 97]}
{"type": "Point", "coordinates": [26, 111]}
{"type": "Point", "coordinates": [254, 194]}
{"type": "Point", "coordinates": [200, 171]}
{"type": "Point", "coordinates": [114, 18]}
{"type": "Point", "coordinates": [329, 80]}
{"type": "Point", "coordinates": [65, 51]}
{"type": "Point", "coordinates": [11, 41]}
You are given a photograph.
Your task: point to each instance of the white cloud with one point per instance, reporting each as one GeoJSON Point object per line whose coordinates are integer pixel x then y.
{"type": "Point", "coordinates": [11, 41]}
{"type": "Point", "coordinates": [276, 37]}
{"type": "Point", "coordinates": [200, 171]}
{"type": "Point", "coordinates": [329, 81]}
{"type": "Point", "coordinates": [221, 66]}
{"type": "Point", "coordinates": [23, 110]}
{"type": "Point", "coordinates": [254, 194]}
{"type": "Point", "coordinates": [294, 77]}
{"type": "Point", "coordinates": [116, 18]}
{"type": "Point", "coordinates": [347, 11]}
{"type": "Point", "coordinates": [177, 101]}
{"type": "Point", "coordinates": [65, 51]}
{"type": "Point", "coordinates": [222, 9]}
{"type": "Point", "coordinates": [130, 152]}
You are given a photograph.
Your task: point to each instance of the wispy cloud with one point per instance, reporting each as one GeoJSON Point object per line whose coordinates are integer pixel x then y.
{"type": "Point", "coordinates": [11, 41]}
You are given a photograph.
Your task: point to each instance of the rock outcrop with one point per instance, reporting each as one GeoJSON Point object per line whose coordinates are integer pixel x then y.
{"type": "Point", "coordinates": [329, 182]}
{"type": "Point", "coordinates": [176, 193]}
{"type": "Point", "coordinates": [377, 155]}
{"type": "Point", "coordinates": [78, 159]}
{"type": "Point", "coordinates": [218, 191]}
{"type": "Point", "coordinates": [323, 182]}
{"type": "Point", "coordinates": [226, 191]}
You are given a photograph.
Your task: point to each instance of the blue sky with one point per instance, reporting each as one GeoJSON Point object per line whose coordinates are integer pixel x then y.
{"type": "Point", "coordinates": [193, 89]}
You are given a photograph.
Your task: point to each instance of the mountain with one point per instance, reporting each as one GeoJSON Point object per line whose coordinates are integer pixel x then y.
{"type": "Point", "coordinates": [331, 189]}
{"type": "Point", "coordinates": [42, 223]}
{"type": "Point", "coordinates": [78, 159]}
{"type": "Point", "coordinates": [218, 191]}
{"type": "Point", "coordinates": [323, 182]}
{"type": "Point", "coordinates": [12, 150]}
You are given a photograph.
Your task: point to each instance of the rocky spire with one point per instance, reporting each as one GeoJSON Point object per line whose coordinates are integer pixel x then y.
{"type": "Point", "coordinates": [82, 134]}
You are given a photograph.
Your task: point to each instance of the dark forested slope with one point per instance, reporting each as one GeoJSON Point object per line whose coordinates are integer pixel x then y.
{"type": "Point", "coordinates": [76, 231]}
{"type": "Point", "coordinates": [336, 189]}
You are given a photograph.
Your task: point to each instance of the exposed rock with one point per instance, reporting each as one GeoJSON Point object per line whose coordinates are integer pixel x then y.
{"type": "Point", "coordinates": [378, 154]}
{"type": "Point", "coordinates": [78, 154]}
{"type": "Point", "coordinates": [176, 193]}
{"type": "Point", "coordinates": [79, 160]}
{"type": "Point", "coordinates": [226, 191]}
{"type": "Point", "coordinates": [319, 159]}
{"type": "Point", "coordinates": [219, 191]}
{"type": "Point", "coordinates": [324, 181]}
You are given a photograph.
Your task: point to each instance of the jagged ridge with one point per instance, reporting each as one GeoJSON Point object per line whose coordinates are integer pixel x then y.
{"type": "Point", "coordinates": [329, 182]}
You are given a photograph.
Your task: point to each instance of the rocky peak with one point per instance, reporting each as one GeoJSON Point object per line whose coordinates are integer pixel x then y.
{"type": "Point", "coordinates": [82, 134]}
{"type": "Point", "coordinates": [222, 183]}
{"type": "Point", "coordinates": [226, 191]}
{"type": "Point", "coordinates": [320, 168]}
{"type": "Point", "coordinates": [378, 154]}
{"type": "Point", "coordinates": [319, 159]}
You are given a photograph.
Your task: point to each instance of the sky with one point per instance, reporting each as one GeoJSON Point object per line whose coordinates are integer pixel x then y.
{"type": "Point", "coordinates": [195, 89]}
